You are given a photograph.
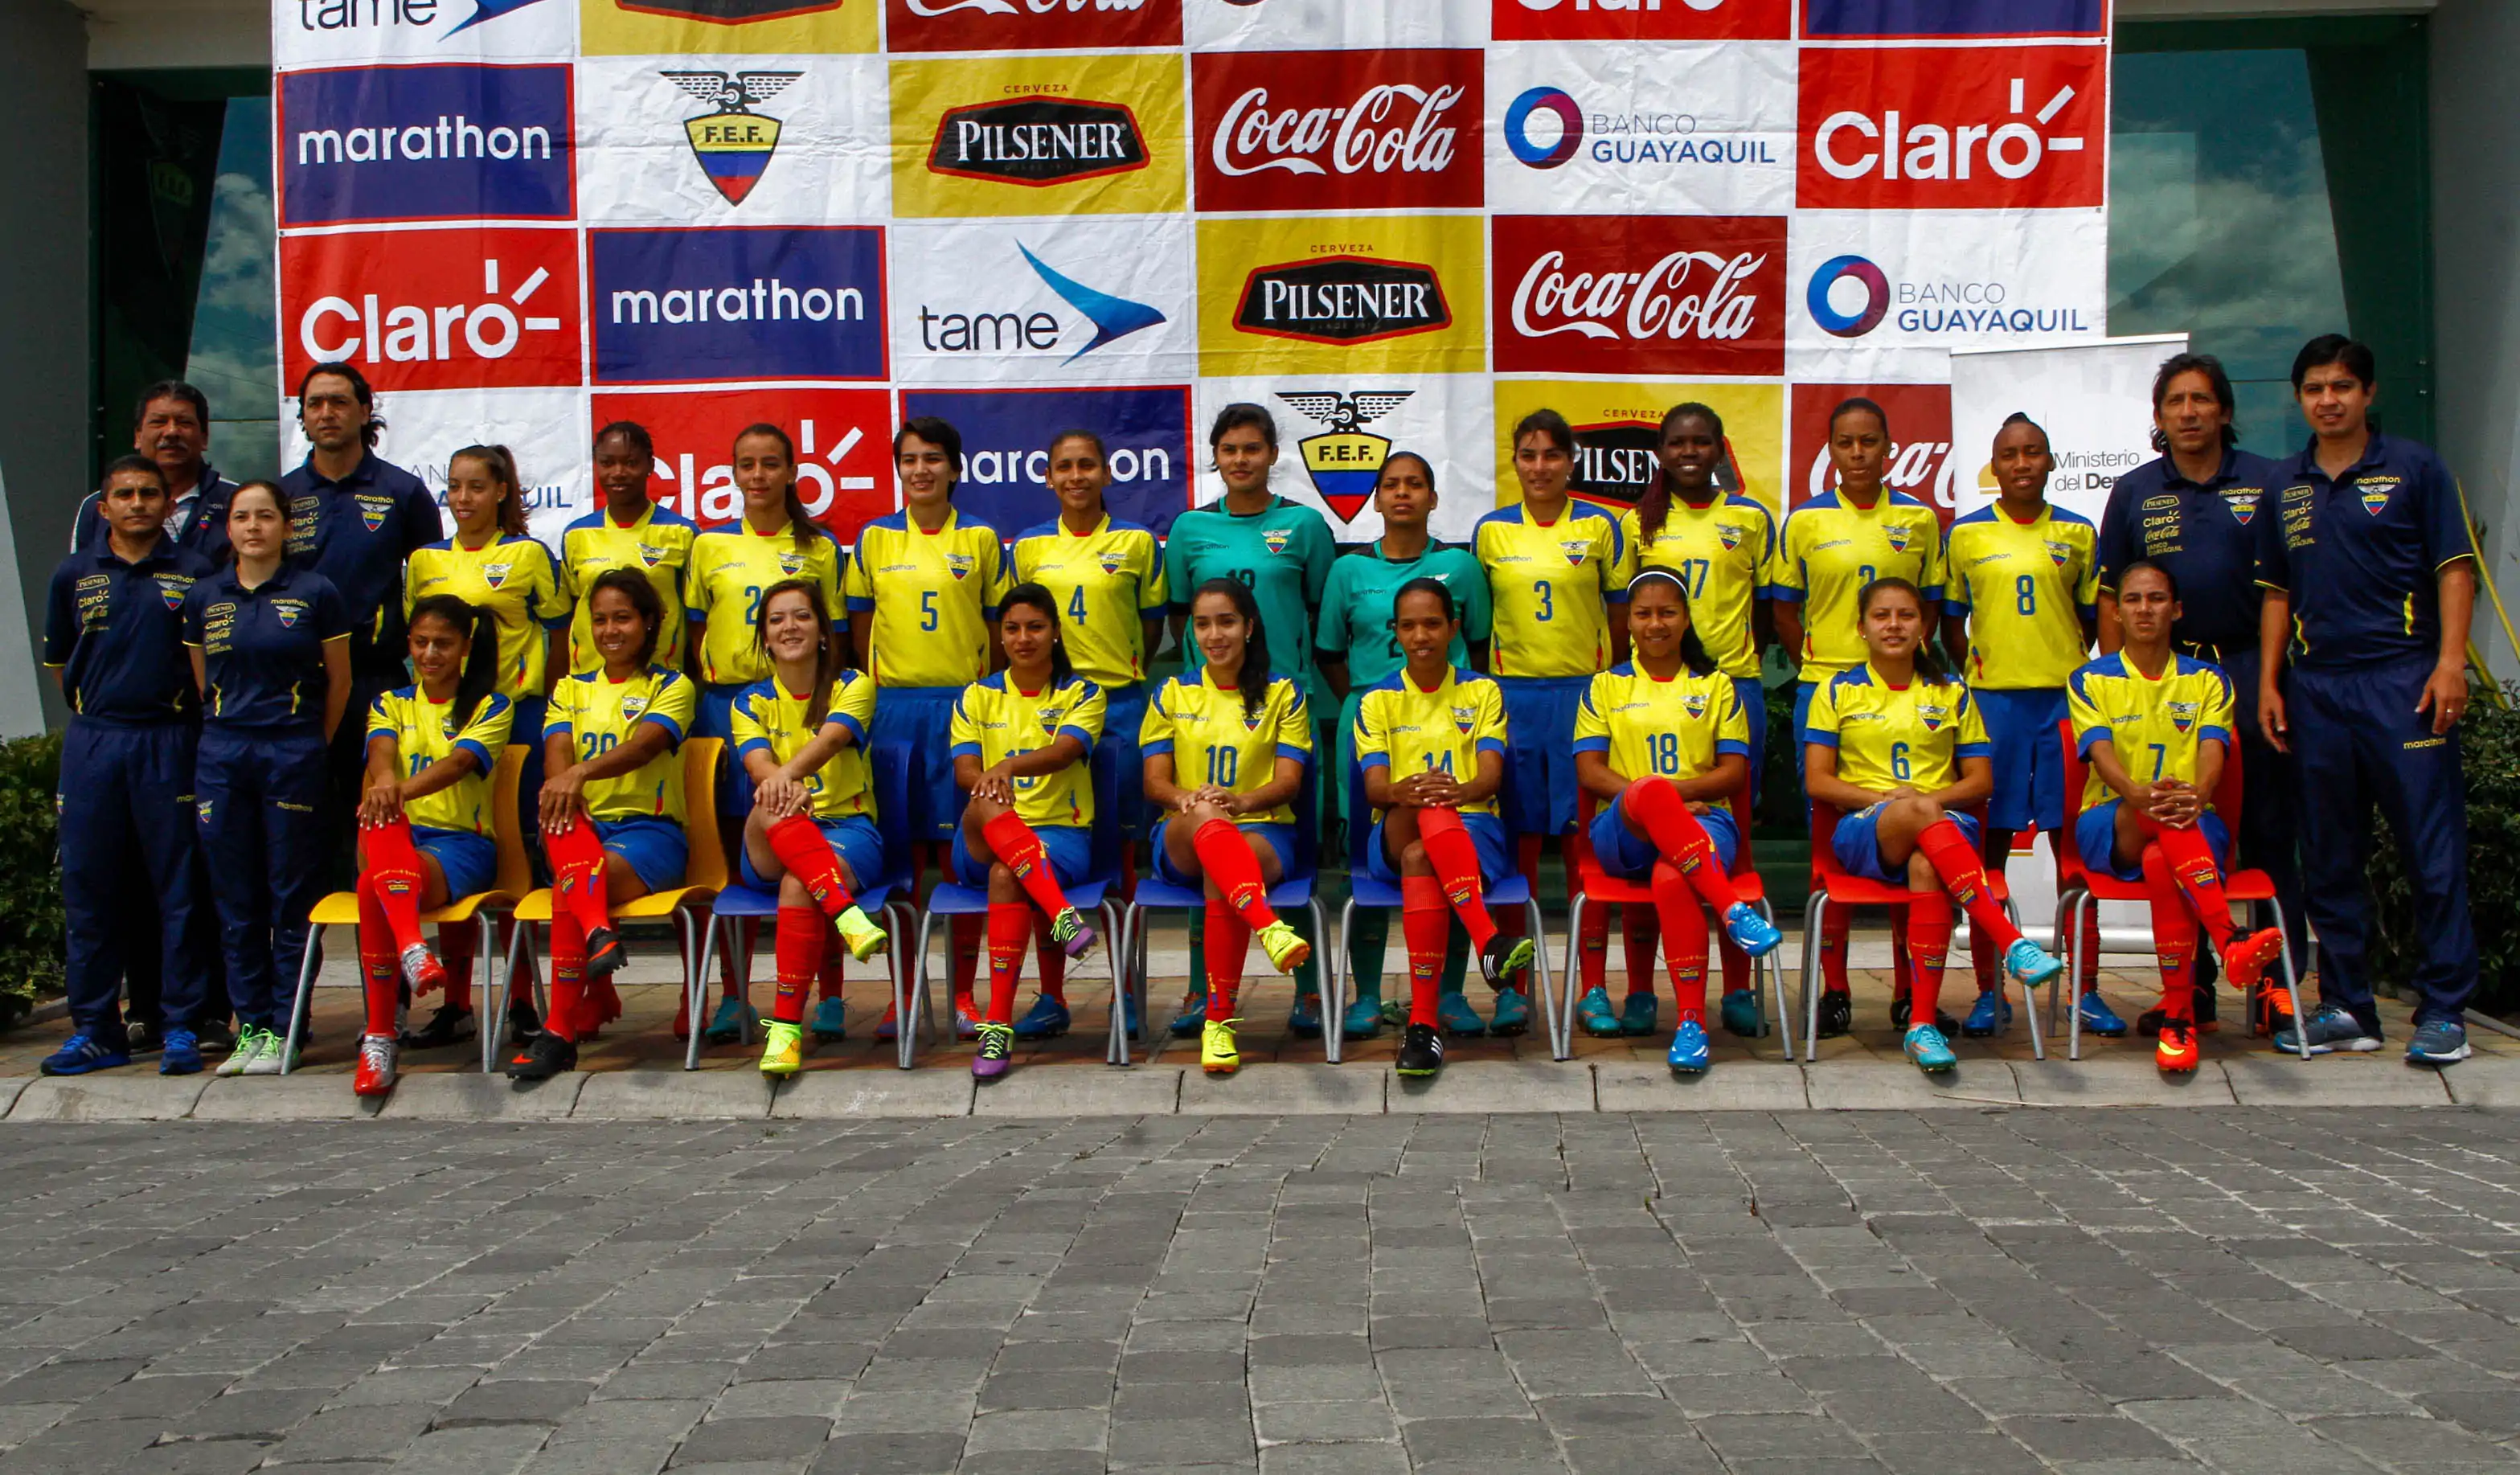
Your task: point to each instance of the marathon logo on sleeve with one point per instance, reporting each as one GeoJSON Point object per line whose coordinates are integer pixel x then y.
{"type": "Point", "coordinates": [1343, 299]}
{"type": "Point", "coordinates": [1037, 141]}
{"type": "Point", "coordinates": [1327, 130]}
{"type": "Point", "coordinates": [382, 143]}
{"type": "Point", "coordinates": [913, 25]}
{"type": "Point", "coordinates": [692, 307]}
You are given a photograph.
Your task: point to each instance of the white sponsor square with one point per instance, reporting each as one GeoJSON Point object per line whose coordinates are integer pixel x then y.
{"type": "Point", "coordinates": [545, 428]}
{"type": "Point", "coordinates": [1334, 431]}
{"type": "Point", "coordinates": [332, 32]}
{"type": "Point", "coordinates": [1878, 296]}
{"type": "Point", "coordinates": [733, 140]}
{"type": "Point", "coordinates": [1624, 128]}
{"type": "Point", "coordinates": [1045, 304]}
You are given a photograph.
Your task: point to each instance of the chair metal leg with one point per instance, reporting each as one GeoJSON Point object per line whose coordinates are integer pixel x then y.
{"type": "Point", "coordinates": [1115, 1027]}
{"type": "Point", "coordinates": [306, 968]}
{"type": "Point", "coordinates": [1115, 924]}
{"type": "Point", "coordinates": [1775, 967]}
{"type": "Point", "coordinates": [1334, 1029]}
{"type": "Point", "coordinates": [493, 1025]}
{"type": "Point", "coordinates": [697, 985]}
{"type": "Point", "coordinates": [1558, 1048]}
{"type": "Point", "coordinates": [2292, 984]}
{"type": "Point", "coordinates": [1815, 914]}
{"type": "Point", "coordinates": [910, 986]}
{"type": "Point", "coordinates": [2029, 999]}
{"type": "Point", "coordinates": [1562, 1025]}
{"type": "Point", "coordinates": [2074, 983]}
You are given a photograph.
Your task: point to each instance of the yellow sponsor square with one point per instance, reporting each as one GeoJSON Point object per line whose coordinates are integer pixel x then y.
{"type": "Point", "coordinates": [1616, 424]}
{"type": "Point", "coordinates": [725, 27]}
{"type": "Point", "coordinates": [1032, 135]}
{"type": "Point", "coordinates": [1377, 295]}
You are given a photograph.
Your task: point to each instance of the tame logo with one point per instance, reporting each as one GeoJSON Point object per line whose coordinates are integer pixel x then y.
{"type": "Point", "coordinates": [1010, 333]}
{"type": "Point", "coordinates": [733, 144]}
{"type": "Point", "coordinates": [1345, 461]}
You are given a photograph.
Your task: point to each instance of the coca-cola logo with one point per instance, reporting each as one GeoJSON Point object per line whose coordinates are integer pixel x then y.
{"type": "Point", "coordinates": [1329, 130]}
{"type": "Point", "coordinates": [1343, 299]}
{"type": "Point", "coordinates": [1037, 141]}
{"type": "Point", "coordinates": [919, 26]}
{"type": "Point", "coordinates": [1921, 442]}
{"type": "Point", "coordinates": [1641, 294]}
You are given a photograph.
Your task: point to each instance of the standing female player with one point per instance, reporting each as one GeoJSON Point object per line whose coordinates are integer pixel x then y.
{"type": "Point", "coordinates": [271, 657]}
{"type": "Point", "coordinates": [628, 532]}
{"type": "Point", "coordinates": [1832, 547]}
{"type": "Point", "coordinates": [426, 833]}
{"type": "Point", "coordinates": [2174, 717]}
{"type": "Point", "coordinates": [774, 539]}
{"type": "Point", "coordinates": [1720, 544]}
{"type": "Point", "coordinates": [923, 589]}
{"type": "Point", "coordinates": [1897, 745]}
{"type": "Point", "coordinates": [1358, 651]}
{"type": "Point", "coordinates": [492, 564]}
{"type": "Point", "coordinates": [1674, 722]}
{"type": "Point", "coordinates": [800, 735]}
{"type": "Point", "coordinates": [2023, 590]}
{"type": "Point", "coordinates": [1109, 578]}
{"type": "Point", "coordinates": [612, 806]}
{"type": "Point", "coordinates": [1241, 738]}
{"type": "Point", "coordinates": [1021, 739]}
{"type": "Point", "coordinates": [1436, 833]}
{"type": "Point", "coordinates": [1552, 566]}
{"type": "Point", "coordinates": [1282, 551]}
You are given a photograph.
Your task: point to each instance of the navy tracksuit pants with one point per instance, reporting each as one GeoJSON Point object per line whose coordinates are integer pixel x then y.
{"type": "Point", "coordinates": [260, 795]}
{"type": "Point", "coordinates": [130, 876]}
{"type": "Point", "coordinates": [2358, 740]}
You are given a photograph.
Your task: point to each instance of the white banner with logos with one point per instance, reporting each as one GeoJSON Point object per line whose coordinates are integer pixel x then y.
{"type": "Point", "coordinates": [2095, 401]}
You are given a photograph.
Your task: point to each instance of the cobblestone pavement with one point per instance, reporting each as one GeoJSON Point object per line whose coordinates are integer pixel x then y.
{"type": "Point", "coordinates": [1956, 1292]}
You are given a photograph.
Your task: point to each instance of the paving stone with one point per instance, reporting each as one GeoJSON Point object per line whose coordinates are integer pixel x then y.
{"type": "Point", "coordinates": [727, 1441]}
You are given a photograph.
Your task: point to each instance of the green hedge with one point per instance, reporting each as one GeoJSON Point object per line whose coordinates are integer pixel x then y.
{"type": "Point", "coordinates": [31, 878]}
{"type": "Point", "coordinates": [2489, 738]}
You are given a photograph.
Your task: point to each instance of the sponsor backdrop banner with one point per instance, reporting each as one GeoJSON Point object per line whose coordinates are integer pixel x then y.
{"type": "Point", "coordinates": [1396, 226]}
{"type": "Point", "coordinates": [2095, 401]}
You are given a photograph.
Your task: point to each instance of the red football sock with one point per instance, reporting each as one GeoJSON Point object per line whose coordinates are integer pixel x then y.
{"type": "Point", "coordinates": [1984, 961]}
{"type": "Point", "coordinates": [1051, 958]}
{"type": "Point", "coordinates": [1226, 946]}
{"type": "Point", "coordinates": [964, 939]}
{"type": "Point", "coordinates": [1227, 859]}
{"type": "Point", "coordinates": [455, 952]}
{"type": "Point", "coordinates": [577, 874]}
{"type": "Point", "coordinates": [1020, 851]}
{"type": "Point", "coordinates": [1593, 949]}
{"type": "Point", "coordinates": [2174, 933]}
{"type": "Point", "coordinates": [1638, 931]}
{"type": "Point", "coordinates": [568, 975]}
{"type": "Point", "coordinates": [1834, 929]}
{"type": "Point", "coordinates": [394, 866]}
{"type": "Point", "coordinates": [835, 954]}
{"type": "Point", "coordinates": [799, 939]}
{"type": "Point", "coordinates": [379, 969]}
{"type": "Point", "coordinates": [1657, 805]}
{"type": "Point", "coordinates": [2192, 867]}
{"type": "Point", "coordinates": [1683, 938]}
{"type": "Point", "coordinates": [1455, 859]}
{"type": "Point", "coordinates": [1963, 876]}
{"type": "Point", "coordinates": [1929, 938]}
{"type": "Point", "coordinates": [799, 844]}
{"type": "Point", "coordinates": [2091, 966]}
{"type": "Point", "coordinates": [1009, 931]}
{"type": "Point", "coordinates": [1901, 970]}
{"type": "Point", "coordinates": [1527, 860]}
{"type": "Point", "coordinates": [1426, 927]}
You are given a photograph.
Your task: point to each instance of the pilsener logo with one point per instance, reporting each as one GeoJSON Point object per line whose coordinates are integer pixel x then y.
{"type": "Point", "coordinates": [1037, 141]}
{"type": "Point", "coordinates": [445, 142]}
{"type": "Point", "coordinates": [1953, 128]}
{"type": "Point", "coordinates": [1343, 299]}
{"type": "Point", "coordinates": [694, 306]}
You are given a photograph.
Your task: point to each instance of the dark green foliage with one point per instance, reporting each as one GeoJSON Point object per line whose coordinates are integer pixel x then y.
{"type": "Point", "coordinates": [31, 878]}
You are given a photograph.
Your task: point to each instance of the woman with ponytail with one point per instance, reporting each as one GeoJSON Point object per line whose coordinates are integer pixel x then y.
{"type": "Point", "coordinates": [427, 830]}
{"type": "Point", "coordinates": [1240, 737]}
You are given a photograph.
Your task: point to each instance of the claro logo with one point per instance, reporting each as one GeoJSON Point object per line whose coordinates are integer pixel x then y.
{"type": "Point", "coordinates": [1958, 128]}
{"type": "Point", "coordinates": [417, 315]}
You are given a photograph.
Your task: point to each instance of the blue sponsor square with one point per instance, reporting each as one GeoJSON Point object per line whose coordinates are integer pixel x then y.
{"type": "Point", "coordinates": [1005, 449]}
{"type": "Point", "coordinates": [438, 142]}
{"type": "Point", "coordinates": [707, 306]}
{"type": "Point", "coordinates": [1893, 19]}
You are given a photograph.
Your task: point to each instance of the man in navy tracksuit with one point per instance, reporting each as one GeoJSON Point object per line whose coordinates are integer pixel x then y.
{"type": "Point", "coordinates": [114, 635]}
{"type": "Point", "coordinates": [2364, 554]}
{"type": "Point", "coordinates": [2195, 511]}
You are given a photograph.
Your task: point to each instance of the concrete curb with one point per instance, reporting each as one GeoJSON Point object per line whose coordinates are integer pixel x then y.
{"type": "Point", "coordinates": [1263, 1089]}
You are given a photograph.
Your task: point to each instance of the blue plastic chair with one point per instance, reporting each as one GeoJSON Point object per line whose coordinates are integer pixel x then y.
{"type": "Point", "coordinates": [890, 778]}
{"type": "Point", "coordinates": [1293, 889]}
{"type": "Point", "coordinates": [951, 899]}
{"type": "Point", "coordinates": [1364, 890]}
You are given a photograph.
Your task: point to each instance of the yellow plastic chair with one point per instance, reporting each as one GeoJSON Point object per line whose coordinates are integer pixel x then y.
{"type": "Point", "coordinates": [688, 904]}
{"type": "Point", "coordinates": [515, 878]}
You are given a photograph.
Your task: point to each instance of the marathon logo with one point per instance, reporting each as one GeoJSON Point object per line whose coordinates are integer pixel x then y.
{"type": "Point", "coordinates": [425, 143]}
{"type": "Point", "coordinates": [1037, 142]}
{"type": "Point", "coordinates": [1342, 300]}
{"type": "Point", "coordinates": [688, 306]}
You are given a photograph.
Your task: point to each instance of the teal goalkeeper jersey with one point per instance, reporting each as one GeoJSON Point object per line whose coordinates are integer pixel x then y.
{"type": "Point", "coordinates": [1282, 553]}
{"type": "Point", "coordinates": [1356, 609]}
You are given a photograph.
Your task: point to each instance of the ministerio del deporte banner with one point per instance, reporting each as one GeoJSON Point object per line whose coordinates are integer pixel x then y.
{"type": "Point", "coordinates": [1399, 226]}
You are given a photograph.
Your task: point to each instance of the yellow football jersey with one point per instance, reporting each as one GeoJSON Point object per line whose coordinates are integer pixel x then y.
{"type": "Point", "coordinates": [1107, 581]}
{"type": "Point", "coordinates": [1407, 731]}
{"type": "Point", "coordinates": [932, 596]}
{"type": "Point", "coordinates": [1213, 739]}
{"type": "Point", "coordinates": [770, 719]}
{"type": "Point", "coordinates": [1675, 728]}
{"type": "Point", "coordinates": [1551, 585]}
{"type": "Point", "coordinates": [2025, 588]}
{"type": "Point", "coordinates": [1721, 553]}
{"type": "Point", "coordinates": [994, 722]}
{"type": "Point", "coordinates": [424, 732]}
{"type": "Point", "coordinates": [2155, 724]}
{"type": "Point", "coordinates": [1830, 548]}
{"type": "Point", "coordinates": [1886, 736]}
{"type": "Point", "coordinates": [599, 714]}
{"type": "Point", "coordinates": [732, 564]}
{"type": "Point", "coordinates": [512, 577]}
{"type": "Point", "coordinates": [657, 544]}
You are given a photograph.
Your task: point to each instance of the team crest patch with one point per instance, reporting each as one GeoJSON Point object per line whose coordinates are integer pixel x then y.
{"type": "Point", "coordinates": [631, 706]}
{"type": "Point", "coordinates": [496, 574]}
{"type": "Point", "coordinates": [2058, 552]}
{"type": "Point", "coordinates": [202, 808]}
{"type": "Point", "coordinates": [2182, 714]}
{"type": "Point", "coordinates": [960, 565]}
{"type": "Point", "coordinates": [1898, 536]}
{"type": "Point", "coordinates": [1575, 548]}
{"type": "Point", "coordinates": [373, 516]}
{"type": "Point", "coordinates": [1252, 722]}
{"type": "Point", "coordinates": [1276, 538]}
{"type": "Point", "coordinates": [172, 594]}
{"type": "Point", "coordinates": [791, 563]}
{"type": "Point", "coordinates": [2375, 500]}
{"type": "Point", "coordinates": [287, 613]}
{"type": "Point", "coordinates": [1933, 717]}
{"type": "Point", "coordinates": [1728, 534]}
{"type": "Point", "coordinates": [651, 556]}
{"type": "Point", "coordinates": [2244, 504]}
{"type": "Point", "coordinates": [1110, 561]}
{"type": "Point", "coordinates": [1464, 719]}
{"type": "Point", "coordinates": [1695, 703]}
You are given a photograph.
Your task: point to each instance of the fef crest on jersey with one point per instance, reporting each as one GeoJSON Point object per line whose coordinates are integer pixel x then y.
{"type": "Point", "coordinates": [1110, 561]}
{"type": "Point", "coordinates": [1695, 703]}
{"type": "Point", "coordinates": [1464, 719]}
{"type": "Point", "coordinates": [1933, 716]}
{"type": "Point", "coordinates": [172, 594]}
{"type": "Point", "coordinates": [960, 565]}
{"type": "Point", "coordinates": [2375, 499]}
{"type": "Point", "coordinates": [2058, 552]}
{"type": "Point", "coordinates": [791, 563]}
{"type": "Point", "coordinates": [496, 574]}
{"type": "Point", "coordinates": [1729, 534]}
{"type": "Point", "coordinates": [372, 513]}
{"type": "Point", "coordinates": [1276, 538]}
{"type": "Point", "coordinates": [1575, 548]}
{"type": "Point", "coordinates": [651, 554]}
{"type": "Point", "coordinates": [632, 705]}
{"type": "Point", "coordinates": [2182, 714]}
{"type": "Point", "coordinates": [2243, 503]}
{"type": "Point", "coordinates": [1897, 534]}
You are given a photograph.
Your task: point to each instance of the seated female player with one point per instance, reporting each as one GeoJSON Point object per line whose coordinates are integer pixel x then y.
{"type": "Point", "coordinates": [1897, 745]}
{"type": "Point", "coordinates": [1673, 720]}
{"type": "Point", "coordinates": [1241, 737]}
{"type": "Point", "coordinates": [2175, 717]}
{"type": "Point", "coordinates": [1021, 739]}
{"type": "Point", "coordinates": [1436, 832]}
{"type": "Point", "coordinates": [425, 827]}
{"type": "Point", "coordinates": [800, 735]}
{"type": "Point", "coordinates": [613, 805]}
